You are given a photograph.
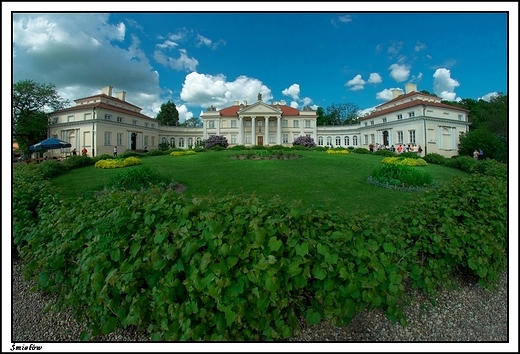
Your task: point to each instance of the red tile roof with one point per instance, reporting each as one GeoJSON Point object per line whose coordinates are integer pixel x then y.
{"type": "Point", "coordinates": [232, 111]}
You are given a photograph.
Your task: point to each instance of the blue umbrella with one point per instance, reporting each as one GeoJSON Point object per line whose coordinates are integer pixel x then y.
{"type": "Point", "coordinates": [49, 144]}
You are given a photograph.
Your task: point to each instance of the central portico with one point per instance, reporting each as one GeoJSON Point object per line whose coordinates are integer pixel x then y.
{"type": "Point", "coordinates": [259, 124]}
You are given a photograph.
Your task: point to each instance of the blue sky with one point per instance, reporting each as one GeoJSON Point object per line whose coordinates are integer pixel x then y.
{"type": "Point", "coordinates": [310, 58]}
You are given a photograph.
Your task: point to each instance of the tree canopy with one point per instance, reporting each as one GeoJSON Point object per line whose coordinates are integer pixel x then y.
{"type": "Point", "coordinates": [168, 115]}
{"type": "Point", "coordinates": [31, 101]}
{"type": "Point", "coordinates": [193, 122]}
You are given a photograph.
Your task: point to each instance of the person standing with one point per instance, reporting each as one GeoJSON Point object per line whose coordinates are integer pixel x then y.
{"type": "Point", "coordinates": [74, 152]}
{"type": "Point", "coordinates": [475, 154]}
{"type": "Point", "coordinates": [84, 152]}
{"type": "Point", "coordinates": [115, 150]}
{"type": "Point", "coordinates": [480, 154]}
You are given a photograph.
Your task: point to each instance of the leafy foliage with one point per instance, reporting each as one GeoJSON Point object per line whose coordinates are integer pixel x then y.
{"type": "Point", "coordinates": [168, 115]}
{"type": "Point", "coordinates": [118, 163]}
{"type": "Point", "coordinates": [435, 158]}
{"type": "Point", "coordinates": [216, 140]}
{"type": "Point", "coordinates": [402, 175]}
{"type": "Point", "coordinates": [333, 151]}
{"type": "Point", "coordinates": [78, 161]}
{"type": "Point", "coordinates": [138, 178]}
{"type": "Point", "coordinates": [182, 153]}
{"type": "Point", "coordinates": [384, 152]}
{"type": "Point", "coordinates": [483, 139]}
{"type": "Point", "coordinates": [305, 141]}
{"type": "Point", "coordinates": [404, 161]}
{"type": "Point", "coordinates": [360, 151]}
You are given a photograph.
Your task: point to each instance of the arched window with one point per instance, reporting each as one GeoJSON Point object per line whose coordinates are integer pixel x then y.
{"type": "Point", "coordinates": [347, 141]}
{"type": "Point", "coordinates": [163, 140]}
{"type": "Point", "coordinates": [354, 140]}
{"type": "Point", "coordinates": [338, 141]}
{"type": "Point", "coordinates": [190, 142]}
{"type": "Point", "coordinates": [172, 142]}
{"type": "Point", "coordinates": [320, 140]}
{"type": "Point", "coordinates": [181, 142]}
{"type": "Point", "coordinates": [329, 141]}
{"type": "Point", "coordinates": [199, 139]}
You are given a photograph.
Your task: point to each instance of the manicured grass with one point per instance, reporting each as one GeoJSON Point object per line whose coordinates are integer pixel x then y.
{"type": "Point", "coordinates": [318, 180]}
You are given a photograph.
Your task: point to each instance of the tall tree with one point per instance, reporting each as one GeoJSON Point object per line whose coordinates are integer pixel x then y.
{"type": "Point", "coordinates": [343, 113]}
{"type": "Point", "coordinates": [31, 101]}
{"type": "Point", "coordinates": [168, 115]}
{"type": "Point", "coordinates": [193, 122]}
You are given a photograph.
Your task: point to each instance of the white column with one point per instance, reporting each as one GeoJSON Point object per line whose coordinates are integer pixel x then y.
{"type": "Point", "coordinates": [315, 131]}
{"type": "Point", "coordinates": [253, 127]}
{"type": "Point", "coordinates": [278, 130]}
{"type": "Point", "coordinates": [204, 131]}
{"type": "Point", "coordinates": [266, 143]}
{"type": "Point", "coordinates": [301, 127]}
{"type": "Point", "coordinates": [240, 130]}
{"type": "Point", "coordinates": [218, 126]}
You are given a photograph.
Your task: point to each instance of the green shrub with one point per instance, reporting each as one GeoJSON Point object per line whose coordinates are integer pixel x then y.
{"type": "Point", "coordinates": [435, 158]}
{"type": "Point", "coordinates": [138, 178]}
{"type": "Point", "coordinates": [102, 157]}
{"type": "Point", "coordinates": [350, 148]}
{"type": "Point", "coordinates": [131, 153]}
{"type": "Point", "coordinates": [404, 161]}
{"type": "Point", "coordinates": [239, 147]}
{"type": "Point", "coordinates": [360, 151]}
{"type": "Point", "coordinates": [319, 148]}
{"type": "Point", "coordinates": [384, 153]}
{"type": "Point", "coordinates": [78, 161]}
{"type": "Point", "coordinates": [491, 168]}
{"type": "Point", "coordinates": [51, 168]}
{"type": "Point", "coordinates": [157, 152]}
{"type": "Point", "coordinates": [410, 155]}
{"type": "Point", "coordinates": [402, 175]}
{"type": "Point", "coordinates": [257, 147]}
{"type": "Point", "coordinates": [274, 147]}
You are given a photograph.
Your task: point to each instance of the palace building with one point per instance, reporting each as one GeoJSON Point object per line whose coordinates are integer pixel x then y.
{"type": "Point", "coordinates": [100, 122]}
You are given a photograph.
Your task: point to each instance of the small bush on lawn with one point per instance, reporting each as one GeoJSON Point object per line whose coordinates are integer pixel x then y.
{"type": "Point", "coordinates": [360, 151]}
{"type": "Point", "coordinates": [216, 140]}
{"type": "Point", "coordinates": [182, 153]}
{"type": "Point", "coordinates": [239, 147]}
{"type": "Point", "coordinates": [305, 141]}
{"type": "Point", "coordinates": [319, 148]}
{"type": "Point", "coordinates": [410, 155]}
{"type": "Point", "coordinates": [402, 175]}
{"type": "Point", "coordinates": [337, 151]}
{"type": "Point", "coordinates": [51, 168]}
{"type": "Point", "coordinates": [118, 163]}
{"type": "Point", "coordinates": [385, 153]}
{"type": "Point", "coordinates": [138, 178]}
{"type": "Point", "coordinates": [404, 161]}
{"type": "Point", "coordinates": [157, 152]}
{"type": "Point", "coordinates": [131, 153]}
{"type": "Point", "coordinates": [491, 168]}
{"type": "Point", "coordinates": [78, 161]}
{"type": "Point", "coordinates": [435, 158]}
{"type": "Point", "coordinates": [103, 157]}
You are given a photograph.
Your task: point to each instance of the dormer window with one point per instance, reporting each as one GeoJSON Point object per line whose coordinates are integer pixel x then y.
{"type": "Point", "coordinates": [399, 116]}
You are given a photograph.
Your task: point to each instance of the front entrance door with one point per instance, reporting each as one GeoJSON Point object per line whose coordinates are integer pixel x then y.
{"type": "Point", "coordinates": [260, 140]}
{"type": "Point", "coordinates": [385, 138]}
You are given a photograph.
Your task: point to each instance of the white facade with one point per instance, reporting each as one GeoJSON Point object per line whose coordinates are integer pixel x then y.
{"type": "Point", "coordinates": [100, 122]}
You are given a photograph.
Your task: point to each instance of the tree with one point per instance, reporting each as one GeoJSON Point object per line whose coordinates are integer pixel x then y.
{"type": "Point", "coordinates": [322, 119]}
{"type": "Point", "coordinates": [342, 113]}
{"type": "Point", "coordinates": [168, 115]}
{"type": "Point", "coordinates": [304, 140]}
{"type": "Point", "coordinates": [483, 139]}
{"type": "Point", "coordinates": [31, 101]}
{"type": "Point", "coordinates": [193, 122]}
{"type": "Point", "coordinates": [216, 140]}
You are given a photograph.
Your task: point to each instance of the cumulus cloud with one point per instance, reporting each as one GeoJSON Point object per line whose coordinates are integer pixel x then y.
{"type": "Point", "coordinates": [184, 114]}
{"type": "Point", "coordinates": [375, 78]}
{"type": "Point", "coordinates": [79, 53]}
{"type": "Point", "coordinates": [201, 40]}
{"type": "Point", "coordinates": [366, 111]}
{"type": "Point", "coordinates": [385, 95]}
{"type": "Point", "coordinates": [167, 44]}
{"type": "Point", "coordinates": [489, 96]}
{"type": "Point", "coordinates": [294, 104]}
{"type": "Point", "coordinates": [306, 101]}
{"type": "Point", "coordinates": [357, 83]}
{"type": "Point", "coordinates": [204, 90]}
{"type": "Point", "coordinates": [419, 46]}
{"type": "Point", "coordinates": [395, 48]}
{"type": "Point", "coordinates": [399, 72]}
{"type": "Point", "coordinates": [184, 62]}
{"type": "Point", "coordinates": [292, 91]}
{"type": "Point", "coordinates": [444, 85]}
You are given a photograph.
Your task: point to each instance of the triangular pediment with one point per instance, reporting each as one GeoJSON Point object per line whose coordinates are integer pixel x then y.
{"type": "Point", "coordinates": [259, 108]}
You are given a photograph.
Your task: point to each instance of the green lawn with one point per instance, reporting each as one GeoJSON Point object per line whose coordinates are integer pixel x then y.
{"type": "Point", "coordinates": [316, 180]}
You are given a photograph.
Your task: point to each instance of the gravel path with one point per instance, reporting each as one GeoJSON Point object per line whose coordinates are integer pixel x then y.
{"type": "Point", "coordinates": [470, 314]}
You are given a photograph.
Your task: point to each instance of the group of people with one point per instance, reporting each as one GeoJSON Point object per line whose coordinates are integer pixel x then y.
{"type": "Point", "coordinates": [401, 148]}
{"type": "Point", "coordinates": [83, 152]}
{"type": "Point", "coordinates": [478, 154]}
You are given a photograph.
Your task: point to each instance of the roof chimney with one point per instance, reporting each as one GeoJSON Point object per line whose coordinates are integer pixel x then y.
{"type": "Point", "coordinates": [235, 103]}
{"type": "Point", "coordinates": [282, 102]}
{"type": "Point", "coordinates": [396, 92]}
{"type": "Point", "coordinates": [245, 103]}
{"type": "Point", "coordinates": [107, 90]}
{"type": "Point", "coordinates": [409, 87]}
{"type": "Point", "coordinates": [121, 95]}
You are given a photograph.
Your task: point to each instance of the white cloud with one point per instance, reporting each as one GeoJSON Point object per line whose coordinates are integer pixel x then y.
{"type": "Point", "coordinates": [345, 18]}
{"type": "Point", "coordinates": [184, 62]}
{"type": "Point", "coordinates": [420, 46]}
{"type": "Point", "coordinates": [399, 72]}
{"type": "Point", "coordinates": [366, 111]}
{"type": "Point", "coordinates": [489, 96]}
{"type": "Point", "coordinates": [375, 78]}
{"type": "Point", "coordinates": [292, 91]}
{"type": "Point", "coordinates": [444, 85]}
{"type": "Point", "coordinates": [306, 101]}
{"type": "Point", "coordinates": [357, 83]}
{"type": "Point", "coordinates": [184, 114]}
{"type": "Point", "coordinates": [395, 48]}
{"type": "Point", "coordinates": [81, 52]}
{"type": "Point", "coordinates": [201, 40]}
{"type": "Point", "coordinates": [205, 90]}
{"type": "Point", "coordinates": [385, 95]}
{"type": "Point", "coordinates": [294, 104]}
{"type": "Point", "coordinates": [167, 44]}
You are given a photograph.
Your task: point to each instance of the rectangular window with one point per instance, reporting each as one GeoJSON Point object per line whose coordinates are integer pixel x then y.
{"type": "Point", "coordinates": [371, 122]}
{"type": "Point", "coordinates": [120, 119]}
{"type": "Point", "coordinates": [412, 136]}
{"type": "Point", "coordinates": [399, 116]}
{"type": "Point", "coordinates": [307, 124]}
{"type": "Point", "coordinates": [146, 140]}
{"type": "Point", "coordinates": [285, 123]}
{"type": "Point", "coordinates": [296, 123]}
{"type": "Point", "coordinates": [248, 138]}
{"type": "Point", "coordinates": [153, 125]}
{"type": "Point", "coordinates": [372, 138]}
{"type": "Point", "coordinates": [146, 124]}
{"type": "Point", "coordinates": [86, 139]}
{"type": "Point", "coordinates": [411, 114]}
{"type": "Point", "coordinates": [260, 123]}
{"type": "Point", "coordinates": [153, 140]}
{"type": "Point", "coordinates": [211, 124]}
{"type": "Point", "coordinates": [366, 123]}
{"type": "Point", "coordinates": [134, 122]}
{"type": "Point", "coordinates": [384, 120]}
{"type": "Point", "coordinates": [399, 137]}
{"type": "Point", "coordinates": [70, 119]}
{"type": "Point", "coordinates": [285, 138]}
{"type": "Point", "coordinates": [366, 139]}
{"type": "Point", "coordinates": [271, 123]}
{"type": "Point", "coordinates": [107, 139]}
{"type": "Point", "coordinates": [248, 123]}
{"type": "Point", "coordinates": [460, 117]}
{"type": "Point", "coordinates": [271, 139]}
{"type": "Point", "coordinates": [108, 117]}
{"type": "Point", "coordinates": [233, 137]}
{"type": "Point", "coordinates": [119, 139]}
{"type": "Point", "coordinates": [54, 120]}
{"type": "Point", "coordinates": [233, 123]}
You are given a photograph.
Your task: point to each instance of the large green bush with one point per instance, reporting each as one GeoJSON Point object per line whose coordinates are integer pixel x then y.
{"type": "Point", "coordinates": [435, 158]}
{"type": "Point", "coordinates": [402, 175]}
{"type": "Point", "coordinates": [138, 178]}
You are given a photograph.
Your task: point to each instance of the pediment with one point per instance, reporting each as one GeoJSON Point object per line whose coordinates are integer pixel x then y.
{"type": "Point", "coordinates": [259, 108]}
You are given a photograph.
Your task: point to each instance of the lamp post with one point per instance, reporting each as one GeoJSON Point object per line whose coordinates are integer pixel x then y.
{"type": "Point", "coordinates": [93, 117]}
